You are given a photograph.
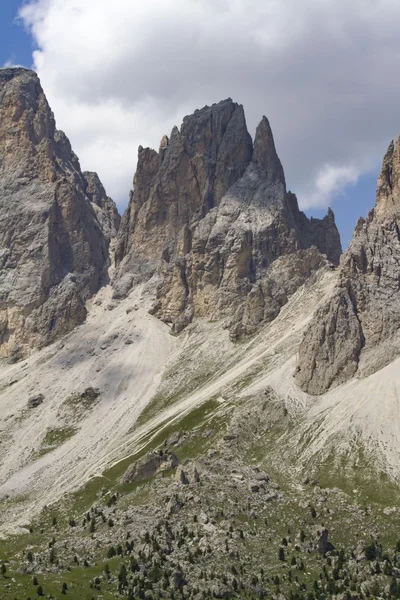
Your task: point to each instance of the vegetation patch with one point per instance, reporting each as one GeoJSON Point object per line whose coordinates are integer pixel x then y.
{"type": "Point", "coordinates": [76, 405]}
{"type": "Point", "coordinates": [55, 438]}
{"type": "Point", "coordinates": [232, 521]}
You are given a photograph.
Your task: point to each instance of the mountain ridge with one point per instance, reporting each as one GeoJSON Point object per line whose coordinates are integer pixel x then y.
{"type": "Point", "coordinates": [54, 252]}
{"type": "Point", "coordinates": [139, 464]}
{"type": "Point", "coordinates": [217, 259]}
{"type": "Point", "coordinates": [356, 333]}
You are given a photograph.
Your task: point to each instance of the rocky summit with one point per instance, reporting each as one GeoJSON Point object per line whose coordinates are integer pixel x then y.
{"type": "Point", "coordinates": [213, 211]}
{"type": "Point", "coordinates": [55, 222]}
{"type": "Point", "coordinates": [180, 183]}
{"type": "Point", "coordinates": [357, 330]}
{"type": "Point", "coordinates": [143, 465]}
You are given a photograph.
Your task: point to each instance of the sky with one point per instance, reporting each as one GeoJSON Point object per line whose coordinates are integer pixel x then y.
{"type": "Point", "coordinates": [120, 74]}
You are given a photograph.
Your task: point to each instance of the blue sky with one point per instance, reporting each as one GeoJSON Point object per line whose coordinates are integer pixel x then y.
{"type": "Point", "coordinates": [356, 201]}
{"type": "Point", "coordinates": [16, 46]}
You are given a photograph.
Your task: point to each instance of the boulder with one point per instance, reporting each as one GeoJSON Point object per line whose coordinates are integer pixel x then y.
{"type": "Point", "coordinates": [35, 401]}
{"type": "Point", "coordinates": [149, 465]}
{"type": "Point", "coordinates": [181, 476]}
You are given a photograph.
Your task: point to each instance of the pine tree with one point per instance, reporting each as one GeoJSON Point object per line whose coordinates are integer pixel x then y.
{"type": "Point", "coordinates": [122, 578]}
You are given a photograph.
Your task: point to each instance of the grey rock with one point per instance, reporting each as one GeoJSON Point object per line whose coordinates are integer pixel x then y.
{"type": "Point", "coordinates": [53, 250]}
{"type": "Point", "coordinates": [357, 330]}
{"type": "Point", "coordinates": [122, 287]}
{"type": "Point", "coordinates": [254, 487]}
{"type": "Point", "coordinates": [180, 184]}
{"type": "Point", "coordinates": [90, 393]}
{"type": "Point", "coordinates": [35, 401]}
{"type": "Point", "coordinates": [181, 476]}
{"type": "Point", "coordinates": [175, 439]}
{"type": "Point", "coordinates": [195, 475]}
{"type": "Point", "coordinates": [174, 505]}
{"type": "Point", "coordinates": [262, 476]}
{"type": "Point", "coordinates": [104, 207]}
{"type": "Point", "coordinates": [149, 465]}
{"type": "Point", "coordinates": [242, 258]}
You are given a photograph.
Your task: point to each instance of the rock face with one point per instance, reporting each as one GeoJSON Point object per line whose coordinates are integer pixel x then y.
{"type": "Point", "coordinates": [149, 465]}
{"type": "Point", "coordinates": [104, 207]}
{"type": "Point", "coordinates": [358, 329]}
{"type": "Point", "coordinates": [179, 184]}
{"type": "Point", "coordinates": [53, 251]}
{"type": "Point", "coordinates": [214, 211]}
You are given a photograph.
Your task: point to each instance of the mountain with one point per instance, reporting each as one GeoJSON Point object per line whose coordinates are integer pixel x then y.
{"type": "Point", "coordinates": [55, 222]}
{"type": "Point", "coordinates": [139, 464]}
{"type": "Point", "coordinates": [214, 213]}
{"type": "Point", "coordinates": [356, 333]}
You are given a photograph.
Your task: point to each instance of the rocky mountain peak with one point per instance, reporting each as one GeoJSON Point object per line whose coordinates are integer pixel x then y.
{"type": "Point", "coordinates": [213, 213]}
{"type": "Point", "coordinates": [179, 184]}
{"type": "Point", "coordinates": [388, 185]}
{"type": "Point", "coordinates": [27, 125]}
{"type": "Point", "coordinates": [265, 155]}
{"type": "Point", "coordinates": [357, 330]}
{"type": "Point", "coordinates": [53, 250]}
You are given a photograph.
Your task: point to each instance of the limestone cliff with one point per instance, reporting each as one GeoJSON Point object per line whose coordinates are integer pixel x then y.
{"type": "Point", "coordinates": [357, 331]}
{"type": "Point", "coordinates": [53, 251]}
{"type": "Point", "coordinates": [181, 183]}
{"type": "Point", "coordinates": [215, 213]}
{"type": "Point", "coordinates": [104, 207]}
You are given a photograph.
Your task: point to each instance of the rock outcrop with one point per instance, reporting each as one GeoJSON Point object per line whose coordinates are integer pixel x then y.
{"type": "Point", "coordinates": [215, 213]}
{"type": "Point", "coordinates": [357, 331]}
{"type": "Point", "coordinates": [104, 207]}
{"type": "Point", "coordinates": [149, 465]}
{"type": "Point", "coordinates": [179, 184]}
{"type": "Point", "coordinates": [53, 251]}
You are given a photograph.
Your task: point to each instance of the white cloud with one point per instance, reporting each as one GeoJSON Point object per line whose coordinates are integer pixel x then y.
{"type": "Point", "coordinates": [330, 181]}
{"type": "Point", "coordinates": [10, 64]}
{"type": "Point", "coordinates": [122, 73]}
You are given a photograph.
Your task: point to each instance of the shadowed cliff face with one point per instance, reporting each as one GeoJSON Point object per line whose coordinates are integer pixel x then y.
{"type": "Point", "coordinates": [358, 329]}
{"type": "Point", "coordinates": [53, 251]}
{"type": "Point", "coordinates": [213, 212]}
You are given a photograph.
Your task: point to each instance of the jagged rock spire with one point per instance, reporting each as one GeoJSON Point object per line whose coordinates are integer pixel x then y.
{"type": "Point", "coordinates": [265, 155]}
{"type": "Point", "coordinates": [104, 207]}
{"type": "Point", "coordinates": [357, 331]}
{"type": "Point", "coordinates": [214, 213]}
{"type": "Point", "coordinates": [181, 183]}
{"type": "Point", "coordinates": [388, 185]}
